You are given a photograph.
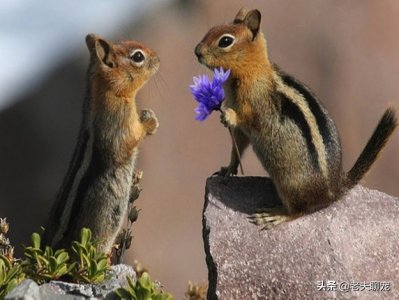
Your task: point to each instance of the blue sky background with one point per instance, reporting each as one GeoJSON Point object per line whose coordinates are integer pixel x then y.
{"type": "Point", "coordinates": [36, 35]}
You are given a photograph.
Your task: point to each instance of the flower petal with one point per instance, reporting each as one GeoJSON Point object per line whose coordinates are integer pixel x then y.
{"type": "Point", "coordinates": [202, 112]}
{"type": "Point", "coordinates": [209, 95]}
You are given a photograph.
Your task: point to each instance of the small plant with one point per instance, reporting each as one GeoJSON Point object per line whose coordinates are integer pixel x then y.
{"type": "Point", "coordinates": [124, 238]}
{"type": "Point", "coordinates": [44, 265]}
{"type": "Point", "coordinates": [10, 275]}
{"type": "Point", "coordinates": [10, 269]}
{"type": "Point", "coordinates": [142, 289]}
{"type": "Point", "coordinates": [139, 269]}
{"type": "Point", "coordinates": [90, 266]}
{"type": "Point", "coordinates": [5, 248]}
{"type": "Point", "coordinates": [196, 291]}
{"type": "Point", "coordinates": [85, 265]}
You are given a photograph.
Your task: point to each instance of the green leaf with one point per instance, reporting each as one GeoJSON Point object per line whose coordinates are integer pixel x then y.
{"type": "Point", "coordinates": [86, 260]}
{"type": "Point", "coordinates": [145, 281]}
{"type": "Point", "coordinates": [74, 246]}
{"type": "Point", "coordinates": [99, 277]}
{"type": "Point", "coordinates": [92, 270]}
{"type": "Point", "coordinates": [162, 296]}
{"type": "Point", "coordinates": [42, 260]}
{"type": "Point", "coordinates": [143, 294]}
{"type": "Point", "coordinates": [125, 294]}
{"type": "Point", "coordinates": [85, 236]}
{"type": "Point", "coordinates": [31, 252]}
{"type": "Point", "coordinates": [5, 261]}
{"type": "Point", "coordinates": [48, 251]}
{"type": "Point", "coordinates": [102, 265]}
{"type": "Point", "coordinates": [130, 282]}
{"type": "Point", "coordinates": [86, 264]}
{"type": "Point", "coordinates": [12, 284]}
{"type": "Point", "coordinates": [36, 240]}
{"type": "Point", "coordinates": [85, 278]}
{"type": "Point", "coordinates": [71, 267]}
{"type": "Point", "coordinates": [52, 266]}
{"type": "Point", "coordinates": [62, 257]}
{"type": "Point", "coordinates": [59, 252]}
{"type": "Point", "coordinates": [61, 270]}
{"type": "Point", "coordinates": [13, 272]}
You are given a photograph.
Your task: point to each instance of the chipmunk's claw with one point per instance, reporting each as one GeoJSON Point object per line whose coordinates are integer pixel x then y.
{"type": "Point", "coordinates": [225, 172]}
{"type": "Point", "coordinates": [270, 217]}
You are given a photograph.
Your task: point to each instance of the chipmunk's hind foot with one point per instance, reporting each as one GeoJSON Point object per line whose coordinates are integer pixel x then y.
{"type": "Point", "coordinates": [270, 217]}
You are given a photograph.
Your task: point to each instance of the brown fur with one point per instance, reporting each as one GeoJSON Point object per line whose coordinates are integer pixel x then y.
{"type": "Point", "coordinates": [114, 90]}
{"type": "Point", "coordinates": [97, 188]}
{"type": "Point", "coordinates": [282, 125]}
{"type": "Point", "coordinates": [370, 153]}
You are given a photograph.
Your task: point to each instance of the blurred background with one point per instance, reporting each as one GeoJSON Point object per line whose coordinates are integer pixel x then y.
{"type": "Point", "coordinates": [347, 51]}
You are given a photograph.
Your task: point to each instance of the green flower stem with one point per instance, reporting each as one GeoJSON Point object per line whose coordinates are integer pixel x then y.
{"type": "Point", "coordinates": [237, 151]}
{"type": "Point", "coordinates": [235, 146]}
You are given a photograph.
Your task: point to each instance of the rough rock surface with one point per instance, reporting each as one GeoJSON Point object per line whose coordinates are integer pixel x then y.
{"type": "Point", "coordinates": [351, 245]}
{"type": "Point", "coordinates": [58, 290]}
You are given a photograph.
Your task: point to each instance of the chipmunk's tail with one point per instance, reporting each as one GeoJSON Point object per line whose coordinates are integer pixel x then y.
{"type": "Point", "coordinates": [376, 143]}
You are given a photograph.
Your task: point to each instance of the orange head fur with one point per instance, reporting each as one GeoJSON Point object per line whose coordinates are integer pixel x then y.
{"type": "Point", "coordinates": [239, 46]}
{"type": "Point", "coordinates": [120, 69]}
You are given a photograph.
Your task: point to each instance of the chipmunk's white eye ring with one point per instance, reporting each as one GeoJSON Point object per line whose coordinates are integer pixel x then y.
{"type": "Point", "coordinates": [226, 41]}
{"type": "Point", "coordinates": [138, 57]}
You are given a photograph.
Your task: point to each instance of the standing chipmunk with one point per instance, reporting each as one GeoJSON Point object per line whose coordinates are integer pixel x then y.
{"type": "Point", "coordinates": [97, 187]}
{"type": "Point", "coordinates": [290, 131]}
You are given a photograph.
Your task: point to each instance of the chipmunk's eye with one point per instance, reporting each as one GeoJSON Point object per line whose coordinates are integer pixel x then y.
{"type": "Point", "coordinates": [137, 57]}
{"type": "Point", "coordinates": [226, 40]}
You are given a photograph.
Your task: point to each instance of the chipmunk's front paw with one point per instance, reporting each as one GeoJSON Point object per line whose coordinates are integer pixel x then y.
{"type": "Point", "coordinates": [226, 171]}
{"type": "Point", "coordinates": [149, 120]}
{"type": "Point", "coordinates": [229, 118]}
{"type": "Point", "coordinates": [270, 217]}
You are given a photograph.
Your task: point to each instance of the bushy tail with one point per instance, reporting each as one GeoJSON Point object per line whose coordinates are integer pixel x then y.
{"type": "Point", "coordinates": [380, 137]}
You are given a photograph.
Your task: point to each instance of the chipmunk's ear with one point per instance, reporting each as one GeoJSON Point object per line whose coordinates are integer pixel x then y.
{"type": "Point", "coordinates": [252, 20]}
{"type": "Point", "coordinates": [100, 49]}
{"type": "Point", "coordinates": [240, 17]}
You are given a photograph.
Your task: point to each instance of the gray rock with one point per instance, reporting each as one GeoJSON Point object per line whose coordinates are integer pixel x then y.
{"type": "Point", "coordinates": [49, 291]}
{"type": "Point", "coordinates": [103, 290]}
{"type": "Point", "coordinates": [354, 243]}
{"type": "Point", "coordinates": [59, 290]}
{"type": "Point", "coordinates": [117, 279]}
{"type": "Point", "coordinates": [27, 290]}
{"type": "Point", "coordinates": [85, 290]}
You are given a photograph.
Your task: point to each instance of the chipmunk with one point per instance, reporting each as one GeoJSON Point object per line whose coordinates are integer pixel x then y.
{"type": "Point", "coordinates": [96, 189]}
{"type": "Point", "coordinates": [290, 131]}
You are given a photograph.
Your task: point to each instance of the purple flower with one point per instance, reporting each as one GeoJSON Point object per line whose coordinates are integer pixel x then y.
{"type": "Point", "coordinates": [209, 95]}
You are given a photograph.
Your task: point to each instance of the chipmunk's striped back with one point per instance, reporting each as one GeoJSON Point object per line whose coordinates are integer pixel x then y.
{"type": "Point", "coordinates": [95, 191]}
{"type": "Point", "coordinates": [316, 125]}
{"type": "Point", "coordinates": [290, 131]}
{"type": "Point", "coordinates": [61, 214]}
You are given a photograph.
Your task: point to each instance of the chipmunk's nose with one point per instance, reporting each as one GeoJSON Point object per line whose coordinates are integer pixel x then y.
{"type": "Point", "coordinates": [197, 51]}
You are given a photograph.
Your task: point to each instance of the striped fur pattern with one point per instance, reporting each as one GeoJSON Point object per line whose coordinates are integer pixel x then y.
{"type": "Point", "coordinates": [96, 188]}
{"type": "Point", "coordinates": [290, 131]}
